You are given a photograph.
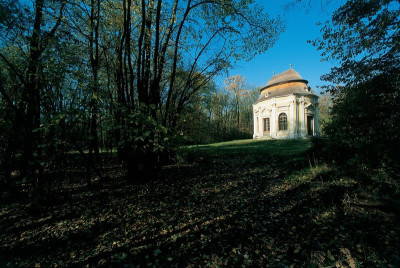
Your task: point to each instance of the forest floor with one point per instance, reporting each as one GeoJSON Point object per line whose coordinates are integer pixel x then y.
{"type": "Point", "coordinates": [236, 204]}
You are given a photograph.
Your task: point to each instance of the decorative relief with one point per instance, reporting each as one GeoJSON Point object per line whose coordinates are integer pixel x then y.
{"type": "Point", "coordinates": [310, 107]}
{"type": "Point", "coordinates": [283, 108]}
{"type": "Point", "coordinates": [266, 112]}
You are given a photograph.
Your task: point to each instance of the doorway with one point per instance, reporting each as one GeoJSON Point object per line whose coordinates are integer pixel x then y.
{"type": "Point", "coordinates": [266, 126]}
{"type": "Point", "coordinates": [310, 125]}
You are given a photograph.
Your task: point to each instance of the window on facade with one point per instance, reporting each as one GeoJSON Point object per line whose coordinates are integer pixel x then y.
{"type": "Point", "coordinates": [266, 124]}
{"type": "Point", "coordinates": [282, 121]}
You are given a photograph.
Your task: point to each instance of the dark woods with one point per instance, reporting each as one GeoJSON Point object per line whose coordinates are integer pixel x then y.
{"type": "Point", "coordinates": [80, 78]}
{"type": "Point", "coordinates": [362, 133]}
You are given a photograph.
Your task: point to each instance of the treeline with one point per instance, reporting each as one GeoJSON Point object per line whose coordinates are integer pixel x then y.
{"type": "Point", "coordinates": [220, 114]}
{"type": "Point", "coordinates": [80, 76]}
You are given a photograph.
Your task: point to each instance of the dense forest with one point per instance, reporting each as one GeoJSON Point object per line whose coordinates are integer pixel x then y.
{"type": "Point", "coordinates": [131, 76]}
{"type": "Point", "coordinates": [106, 110]}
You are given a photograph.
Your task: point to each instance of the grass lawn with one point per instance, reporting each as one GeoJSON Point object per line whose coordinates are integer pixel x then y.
{"type": "Point", "coordinates": [238, 203]}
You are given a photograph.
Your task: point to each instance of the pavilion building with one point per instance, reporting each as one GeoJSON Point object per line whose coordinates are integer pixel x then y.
{"type": "Point", "coordinates": [286, 109]}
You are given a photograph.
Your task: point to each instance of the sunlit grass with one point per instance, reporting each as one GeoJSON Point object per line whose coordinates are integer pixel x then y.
{"type": "Point", "coordinates": [254, 147]}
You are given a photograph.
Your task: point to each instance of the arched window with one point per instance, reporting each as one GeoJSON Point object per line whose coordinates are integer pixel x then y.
{"type": "Point", "coordinates": [282, 121]}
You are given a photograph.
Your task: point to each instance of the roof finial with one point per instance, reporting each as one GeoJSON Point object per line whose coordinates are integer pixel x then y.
{"type": "Point", "coordinates": [273, 73]}
{"type": "Point", "coordinates": [290, 66]}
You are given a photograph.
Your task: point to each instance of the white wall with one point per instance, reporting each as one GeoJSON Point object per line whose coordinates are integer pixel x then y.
{"type": "Point", "coordinates": [296, 108]}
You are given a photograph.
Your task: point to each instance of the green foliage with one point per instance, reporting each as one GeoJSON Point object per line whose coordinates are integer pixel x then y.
{"type": "Point", "coordinates": [84, 76]}
{"type": "Point", "coordinates": [363, 36]}
{"type": "Point", "coordinates": [10, 14]}
{"type": "Point", "coordinates": [324, 112]}
{"type": "Point", "coordinates": [365, 123]}
{"type": "Point", "coordinates": [143, 136]}
{"type": "Point", "coordinates": [363, 128]}
{"type": "Point", "coordinates": [4, 135]}
{"type": "Point", "coordinates": [219, 115]}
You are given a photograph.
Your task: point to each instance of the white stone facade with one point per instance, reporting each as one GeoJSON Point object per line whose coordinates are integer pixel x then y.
{"type": "Point", "coordinates": [286, 109]}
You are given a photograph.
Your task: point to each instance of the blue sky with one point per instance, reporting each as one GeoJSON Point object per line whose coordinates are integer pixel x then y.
{"type": "Point", "coordinates": [291, 47]}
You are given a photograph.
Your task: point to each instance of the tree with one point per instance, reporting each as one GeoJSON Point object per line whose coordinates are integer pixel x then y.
{"type": "Point", "coordinates": [364, 37]}
{"type": "Point", "coordinates": [181, 46]}
{"type": "Point", "coordinates": [82, 75]}
{"type": "Point", "coordinates": [365, 123]}
{"type": "Point", "coordinates": [236, 85]}
{"type": "Point", "coordinates": [28, 108]}
{"type": "Point", "coordinates": [324, 112]}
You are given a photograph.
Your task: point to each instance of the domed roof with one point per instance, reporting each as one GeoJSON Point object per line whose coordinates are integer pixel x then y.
{"type": "Point", "coordinates": [287, 76]}
{"type": "Point", "coordinates": [284, 84]}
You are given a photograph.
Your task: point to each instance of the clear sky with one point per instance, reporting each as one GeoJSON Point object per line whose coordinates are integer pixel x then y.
{"type": "Point", "coordinates": [291, 47]}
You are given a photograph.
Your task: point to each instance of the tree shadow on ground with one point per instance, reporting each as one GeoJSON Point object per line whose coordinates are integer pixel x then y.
{"type": "Point", "coordinates": [235, 210]}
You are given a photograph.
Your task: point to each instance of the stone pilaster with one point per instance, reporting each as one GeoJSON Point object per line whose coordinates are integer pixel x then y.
{"type": "Point", "coordinates": [273, 119]}
{"type": "Point", "coordinates": [292, 115]}
{"type": "Point", "coordinates": [316, 119]}
{"type": "Point", "coordinates": [260, 128]}
{"type": "Point", "coordinates": [254, 124]}
{"type": "Point", "coordinates": [302, 118]}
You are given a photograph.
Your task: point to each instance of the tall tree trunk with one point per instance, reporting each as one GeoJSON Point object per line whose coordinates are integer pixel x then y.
{"type": "Point", "coordinates": [175, 63]}
{"type": "Point", "coordinates": [128, 53]}
{"type": "Point", "coordinates": [31, 98]}
{"type": "Point", "coordinates": [94, 62]}
{"type": "Point", "coordinates": [142, 91]}
{"type": "Point", "coordinates": [238, 113]}
{"type": "Point", "coordinates": [94, 59]}
{"type": "Point", "coordinates": [155, 83]}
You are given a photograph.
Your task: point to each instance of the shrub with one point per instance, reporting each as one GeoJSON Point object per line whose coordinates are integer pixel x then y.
{"type": "Point", "coordinates": [365, 126]}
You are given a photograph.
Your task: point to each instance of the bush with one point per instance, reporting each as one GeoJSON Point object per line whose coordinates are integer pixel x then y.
{"type": "Point", "coordinates": [365, 125]}
{"type": "Point", "coordinates": [145, 144]}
